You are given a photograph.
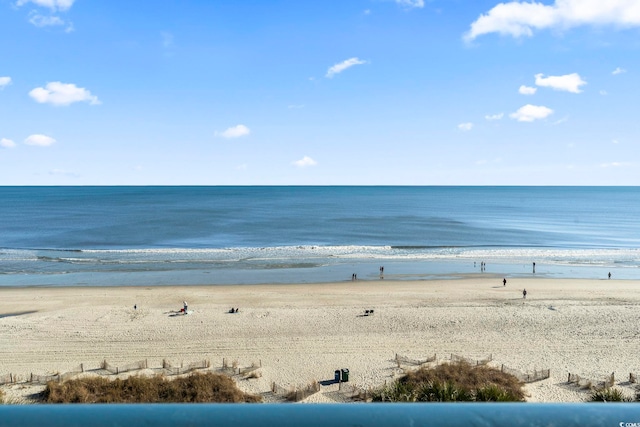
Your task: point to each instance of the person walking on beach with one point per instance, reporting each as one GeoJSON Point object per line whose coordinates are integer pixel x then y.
{"type": "Point", "coordinates": [504, 282]}
{"type": "Point", "coordinates": [184, 303]}
{"type": "Point", "coordinates": [609, 275]}
{"type": "Point", "coordinates": [524, 294]}
{"type": "Point", "coordinates": [534, 268]}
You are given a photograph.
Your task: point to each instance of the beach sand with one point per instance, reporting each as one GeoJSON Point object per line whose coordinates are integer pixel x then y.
{"type": "Point", "coordinates": [302, 333]}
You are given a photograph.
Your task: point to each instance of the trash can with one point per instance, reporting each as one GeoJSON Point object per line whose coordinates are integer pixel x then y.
{"type": "Point", "coordinates": [345, 375]}
{"type": "Point", "coordinates": [337, 378]}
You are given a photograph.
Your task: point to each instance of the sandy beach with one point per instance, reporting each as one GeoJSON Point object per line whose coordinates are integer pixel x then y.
{"type": "Point", "coordinates": [301, 333]}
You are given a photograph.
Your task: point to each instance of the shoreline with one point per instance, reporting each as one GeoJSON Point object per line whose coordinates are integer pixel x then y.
{"type": "Point", "coordinates": [303, 332]}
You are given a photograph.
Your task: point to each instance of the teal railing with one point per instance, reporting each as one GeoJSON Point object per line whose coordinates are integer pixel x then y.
{"type": "Point", "coordinates": [324, 415]}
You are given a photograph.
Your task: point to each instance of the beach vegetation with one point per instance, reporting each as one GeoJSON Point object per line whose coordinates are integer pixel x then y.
{"type": "Point", "coordinates": [453, 382]}
{"type": "Point", "coordinates": [194, 388]}
{"type": "Point", "coordinates": [609, 395]}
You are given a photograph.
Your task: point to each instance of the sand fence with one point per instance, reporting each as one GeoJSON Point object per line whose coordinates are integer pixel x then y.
{"type": "Point", "coordinates": [235, 369]}
{"type": "Point", "coordinates": [476, 362]}
{"type": "Point", "coordinates": [105, 369]}
{"type": "Point", "coordinates": [404, 360]}
{"type": "Point", "coordinates": [586, 383]}
{"type": "Point", "coordinates": [295, 394]}
{"type": "Point", "coordinates": [527, 377]}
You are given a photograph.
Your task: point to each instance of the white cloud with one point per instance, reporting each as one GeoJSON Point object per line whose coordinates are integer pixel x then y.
{"type": "Point", "coordinates": [235, 132]}
{"type": "Point", "coordinates": [411, 3]}
{"type": "Point", "coordinates": [529, 113]}
{"type": "Point", "coordinates": [338, 68]}
{"type": "Point", "coordinates": [465, 127]}
{"type": "Point", "coordinates": [7, 143]}
{"type": "Point", "coordinates": [58, 93]}
{"type": "Point", "coordinates": [39, 140]}
{"type": "Point", "coordinates": [568, 82]}
{"type": "Point", "coordinates": [519, 19]}
{"type": "Point", "coordinates": [4, 81]}
{"type": "Point", "coordinates": [527, 90]}
{"type": "Point", "coordinates": [618, 71]}
{"type": "Point", "coordinates": [494, 116]}
{"type": "Point", "coordinates": [304, 162]}
{"type": "Point", "coordinates": [45, 21]}
{"type": "Point", "coordinates": [51, 4]}
{"type": "Point", "coordinates": [40, 21]}
{"type": "Point", "coordinates": [614, 164]}
{"type": "Point", "coordinates": [604, 93]}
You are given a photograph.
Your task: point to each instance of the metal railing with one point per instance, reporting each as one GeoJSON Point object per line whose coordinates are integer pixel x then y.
{"type": "Point", "coordinates": [322, 415]}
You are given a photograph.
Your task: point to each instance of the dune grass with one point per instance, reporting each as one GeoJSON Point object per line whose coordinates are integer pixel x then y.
{"type": "Point", "coordinates": [611, 395]}
{"type": "Point", "coordinates": [195, 388]}
{"type": "Point", "coordinates": [455, 382]}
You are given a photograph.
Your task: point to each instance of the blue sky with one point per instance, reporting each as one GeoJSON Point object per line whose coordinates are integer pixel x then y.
{"type": "Point", "coordinates": [358, 92]}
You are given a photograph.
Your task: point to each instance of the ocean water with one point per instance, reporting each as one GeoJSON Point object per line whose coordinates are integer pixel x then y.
{"type": "Point", "coordinates": [138, 236]}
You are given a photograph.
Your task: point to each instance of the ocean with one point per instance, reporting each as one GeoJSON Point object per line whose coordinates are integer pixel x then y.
{"type": "Point", "coordinates": [141, 236]}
